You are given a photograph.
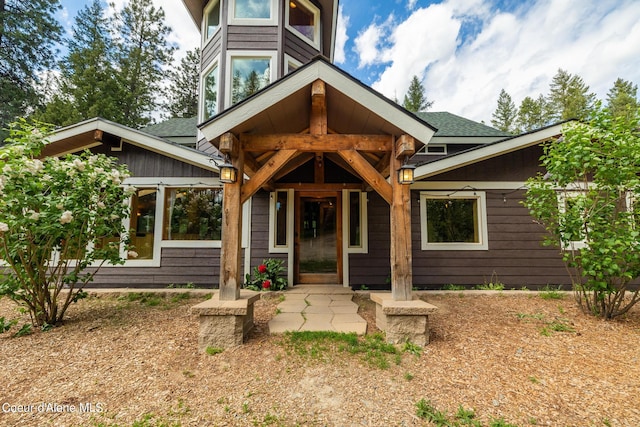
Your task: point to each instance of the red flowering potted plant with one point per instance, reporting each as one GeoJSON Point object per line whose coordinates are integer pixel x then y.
{"type": "Point", "coordinates": [267, 276]}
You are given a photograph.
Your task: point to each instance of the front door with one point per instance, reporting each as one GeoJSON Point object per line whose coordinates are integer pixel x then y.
{"type": "Point", "coordinates": [318, 242]}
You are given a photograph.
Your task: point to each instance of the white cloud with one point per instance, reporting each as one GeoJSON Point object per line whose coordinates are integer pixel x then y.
{"type": "Point", "coordinates": [366, 45]}
{"type": "Point", "coordinates": [519, 51]}
{"type": "Point", "coordinates": [341, 36]}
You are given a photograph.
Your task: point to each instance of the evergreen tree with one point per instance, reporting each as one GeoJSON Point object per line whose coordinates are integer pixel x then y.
{"type": "Point", "coordinates": [183, 87]}
{"type": "Point", "coordinates": [533, 114]}
{"type": "Point", "coordinates": [504, 117]}
{"type": "Point", "coordinates": [569, 97]}
{"type": "Point", "coordinates": [622, 98]}
{"type": "Point", "coordinates": [28, 34]}
{"type": "Point", "coordinates": [88, 85]}
{"type": "Point", "coordinates": [142, 55]}
{"type": "Point", "coordinates": [415, 99]}
{"type": "Point", "coordinates": [252, 84]}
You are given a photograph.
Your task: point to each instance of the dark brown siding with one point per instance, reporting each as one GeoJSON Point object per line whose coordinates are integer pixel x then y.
{"type": "Point", "coordinates": [517, 166]}
{"type": "Point", "coordinates": [515, 256]}
{"type": "Point", "coordinates": [374, 268]}
{"type": "Point", "coordinates": [297, 48]}
{"type": "Point", "coordinates": [252, 38]}
{"type": "Point", "coordinates": [260, 230]}
{"type": "Point", "coordinates": [179, 266]}
{"type": "Point", "coordinates": [145, 163]}
{"type": "Point", "coordinates": [211, 50]}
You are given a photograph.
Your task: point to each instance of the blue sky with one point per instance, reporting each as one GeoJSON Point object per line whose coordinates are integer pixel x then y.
{"type": "Point", "coordinates": [466, 51]}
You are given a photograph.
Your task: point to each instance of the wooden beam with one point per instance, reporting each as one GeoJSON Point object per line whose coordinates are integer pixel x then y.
{"type": "Point", "coordinates": [229, 144]}
{"type": "Point", "coordinates": [315, 143]}
{"type": "Point", "coordinates": [266, 172]}
{"type": "Point", "coordinates": [383, 165]}
{"type": "Point", "coordinates": [405, 146]}
{"type": "Point", "coordinates": [231, 249]}
{"type": "Point", "coordinates": [368, 173]}
{"type": "Point", "coordinates": [318, 119]}
{"type": "Point", "coordinates": [251, 165]}
{"type": "Point", "coordinates": [318, 168]}
{"type": "Point", "coordinates": [320, 187]}
{"type": "Point", "coordinates": [401, 258]}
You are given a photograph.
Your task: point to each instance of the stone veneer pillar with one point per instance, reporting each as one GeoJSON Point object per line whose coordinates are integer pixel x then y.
{"type": "Point", "coordinates": [225, 324]}
{"type": "Point", "coordinates": [403, 321]}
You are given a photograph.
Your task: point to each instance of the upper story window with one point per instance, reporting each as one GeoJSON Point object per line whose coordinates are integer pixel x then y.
{"type": "Point", "coordinates": [303, 19]}
{"type": "Point", "coordinates": [253, 12]}
{"type": "Point", "coordinates": [211, 19]}
{"type": "Point", "coordinates": [210, 92]}
{"type": "Point", "coordinates": [249, 74]}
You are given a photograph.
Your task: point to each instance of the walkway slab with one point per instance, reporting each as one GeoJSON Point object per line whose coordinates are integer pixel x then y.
{"type": "Point", "coordinates": [318, 308]}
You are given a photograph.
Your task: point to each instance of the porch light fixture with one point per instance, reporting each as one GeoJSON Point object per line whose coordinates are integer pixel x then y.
{"type": "Point", "coordinates": [228, 174]}
{"type": "Point", "coordinates": [405, 174]}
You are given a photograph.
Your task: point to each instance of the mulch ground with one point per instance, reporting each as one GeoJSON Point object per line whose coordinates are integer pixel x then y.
{"type": "Point", "coordinates": [119, 360]}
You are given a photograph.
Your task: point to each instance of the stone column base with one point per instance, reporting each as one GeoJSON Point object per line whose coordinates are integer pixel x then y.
{"type": "Point", "coordinates": [225, 324]}
{"type": "Point", "coordinates": [403, 320]}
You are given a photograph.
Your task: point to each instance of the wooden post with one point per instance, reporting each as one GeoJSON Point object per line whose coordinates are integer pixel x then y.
{"type": "Point", "coordinates": [401, 259]}
{"type": "Point", "coordinates": [230, 253]}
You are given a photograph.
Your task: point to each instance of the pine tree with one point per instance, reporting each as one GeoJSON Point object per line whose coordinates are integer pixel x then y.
{"type": "Point", "coordinates": [142, 56]}
{"type": "Point", "coordinates": [533, 114]}
{"type": "Point", "coordinates": [415, 99]}
{"type": "Point", "coordinates": [87, 84]}
{"type": "Point", "coordinates": [504, 117]}
{"type": "Point", "coordinates": [622, 98]}
{"type": "Point", "coordinates": [28, 34]}
{"type": "Point", "coordinates": [569, 97]}
{"type": "Point", "coordinates": [183, 87]}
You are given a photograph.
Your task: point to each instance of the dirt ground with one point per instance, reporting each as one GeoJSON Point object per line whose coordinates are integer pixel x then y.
{"type": "Point", "coordinates": [123, 360]}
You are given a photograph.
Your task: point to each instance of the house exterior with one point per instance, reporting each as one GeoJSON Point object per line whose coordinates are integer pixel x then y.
{"type": "Point", "coordinates": [318, 155]}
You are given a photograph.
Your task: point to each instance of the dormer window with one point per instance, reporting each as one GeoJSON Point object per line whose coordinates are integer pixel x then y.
{"type": "Point", "coordinates": [303, 19]}
{"type": "Point", "coordinates": [211, 19]}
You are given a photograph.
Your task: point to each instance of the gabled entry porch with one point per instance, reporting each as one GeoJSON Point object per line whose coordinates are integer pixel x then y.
{"type": "Point", "coordinates": [284, 137]}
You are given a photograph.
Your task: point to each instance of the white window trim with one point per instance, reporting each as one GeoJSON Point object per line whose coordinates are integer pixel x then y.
{"type": "Point", "coordinates": [290, 60]}
{"type": "Point", "coordinates": [286, 248]}
{"type": "Point", "coordinates": [215, 63]}
{"type": "Point", "coordinates": [253, 21]}
{"type": "Point", "coordinates": [425, 150]}
{"type": "Point", "coordinates": [481, 198]}
{"type": "Point", "coordinates": [316, 24]}
{"type": "Point", "coordinates": [363, 248]}
{"type": "Point", "coordinates": [248, 54]}
{"type": "Point", "coordinates": [205, 14]}
{"type": "Point", "coordinates": [364, 232]}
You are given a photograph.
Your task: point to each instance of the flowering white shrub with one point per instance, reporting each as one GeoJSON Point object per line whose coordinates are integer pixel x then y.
{"type": "Point", "coordinates": [58, 216]}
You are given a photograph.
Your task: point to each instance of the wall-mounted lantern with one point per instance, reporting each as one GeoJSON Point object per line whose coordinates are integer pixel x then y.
{"type": "Point", "coordinates": [228, 174]}
{"type": "Point", "coordinates": [405, 173]}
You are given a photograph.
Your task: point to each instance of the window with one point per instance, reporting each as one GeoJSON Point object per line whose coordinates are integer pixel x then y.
{"type": "Point", "coordinates": [303, 19]}
{"type": "Point", "coordinates": [253, 12]}
{"type": "Point", "coordinates": [193, 214]}
{"type": "Point", "coordinates": [211, 19]}
{"type": "Point", "coordinates": [291, 64]}
{"type": "Point", "coordinates": [210, 93]}
{"type": "Point", "coordinates": [249, 75]}
{"type": "Point", "coordinates": [142, 222]}
{"type": "Point", "coordinates": [434, 149]}
{"type": "Point", "coordinates": [453, 221]}
{"type": "Point", "coordinates": [571, 205]}
{"type": "Point", "coordinates": [354, 205]}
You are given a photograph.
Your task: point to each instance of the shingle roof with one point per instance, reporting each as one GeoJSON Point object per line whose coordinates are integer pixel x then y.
{"type": "Point", "coordinates": [447, 124]}
{"type": "Point", "coordinates": [174, 127]}
{"type": "Point", "coordinates": [451, 125]}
